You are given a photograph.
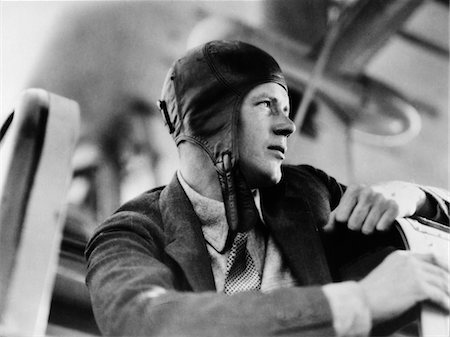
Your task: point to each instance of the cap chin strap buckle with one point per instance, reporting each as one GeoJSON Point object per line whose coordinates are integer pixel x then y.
{"type": "Point", "coordinates": [227, 165]}
{"type": "Point", "coordinates": [163, 108]}
{"type": "Point", "coordinates": [226, 179]}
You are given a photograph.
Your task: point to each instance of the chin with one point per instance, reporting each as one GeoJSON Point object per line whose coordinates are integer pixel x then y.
{"type": "Point", "coordinates": [270, 178]}
{"type": "Point", "coordinates": [276, 178]}
{"type": "Point", "coordinates": [257, 177]}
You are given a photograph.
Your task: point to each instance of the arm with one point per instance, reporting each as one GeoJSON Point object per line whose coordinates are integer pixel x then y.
{"type": "Point", "coordinates": [394, 199]}
{"type": "Point", "coordinates": [370, 208]}
{"type": "Point", "coordinates": [384, 294]}
{"type": "Point", "coordinates": [401, 281]}
{"type": "Point", "coordinates": [137, 290]}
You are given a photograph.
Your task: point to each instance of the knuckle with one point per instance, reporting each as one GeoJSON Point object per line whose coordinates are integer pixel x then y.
{"type": "Point", "coordinates": [433, 258]}
{"type": "Point", "coordinates": [423, 290]}
{"type": "Point", "coordinates": [395, 256]}
{"type": "Point", "coordinates": [386, 203]}
{"type": "Point", "coordinates": [445, 285]}
{"type": "Point", "coordinates": [354, 189]}
{"type": "Point", "coordinates": [379, 198]}
{"type": "Point", "coordinates": [403, 256]}
{"type": "Point", "coordinates": [367, 193]}
{"type": "Point", "coordinates": [429, 257]}
{"type": "Point", "coordinates": [360, 212]}
{"type": "Point", "coordinates": [392, 206]}
{"type": "Point", "coordinates": [398, 253]}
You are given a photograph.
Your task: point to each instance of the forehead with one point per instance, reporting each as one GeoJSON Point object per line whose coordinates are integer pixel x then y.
{"type": "Point", "coordinates": [268, 90]}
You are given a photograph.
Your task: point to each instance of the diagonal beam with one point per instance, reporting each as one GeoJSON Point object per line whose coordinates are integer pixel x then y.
{"type": "Point", "coordinates": [367, 26]}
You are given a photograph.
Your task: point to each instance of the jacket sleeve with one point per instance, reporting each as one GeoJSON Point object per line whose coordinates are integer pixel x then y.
{"type": "Point", "coordinates": [137, 290]}
{"type": "Point", "coordinates": [439, 198]}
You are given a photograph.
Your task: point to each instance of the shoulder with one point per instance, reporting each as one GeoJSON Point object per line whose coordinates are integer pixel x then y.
{"type": "Point", "coordinates": [308, 181]}
{"type": "Point", "coordinates": [306, 174]}
{"type": "Point", "coordinates": [140, 216]}
{"type": "Point", "coordinates": [146, 204]}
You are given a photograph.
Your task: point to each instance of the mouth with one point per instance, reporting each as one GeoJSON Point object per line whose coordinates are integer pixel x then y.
{"type": "Point", "coordinates": [279, 149]}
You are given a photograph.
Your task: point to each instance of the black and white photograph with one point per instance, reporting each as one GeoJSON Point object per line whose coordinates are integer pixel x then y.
{"type": "Point", "coordinates": [187, 168]}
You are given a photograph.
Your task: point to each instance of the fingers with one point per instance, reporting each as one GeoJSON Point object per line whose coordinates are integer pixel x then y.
{"type": "Point", "coordinates": [365, 209]}
{"type": "Point", "coordinates": [437, 276]}
{"type": "Point", "coordinates": [434, 259]}
{"type": "Point", "coordinates": [368, 212]}
{"type": "Point", "coordinates": [358, 216]}
{"type": "Point", "coordinates": [331, 224]}
{"type": "Point", "coordinates": [436, 288]}
{"type": "Point", "coordinates": [437, 281]}
{"type": "Point", "coordinates": [388, 217]}
{"type": "Point", "coordinates": [404, 279]}
{"type": "Point", "coordinates": [436, 291]}
{"type": "Point", "coordinates": [347, 203]}
{"type": "Point", "coordinates": [433, 279]}
{"type": "Point", "coordinates": [381, 216]}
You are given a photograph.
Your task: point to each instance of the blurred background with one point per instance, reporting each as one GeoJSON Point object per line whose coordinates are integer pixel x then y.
{"type": "Point", "coordinates": [368, 83]}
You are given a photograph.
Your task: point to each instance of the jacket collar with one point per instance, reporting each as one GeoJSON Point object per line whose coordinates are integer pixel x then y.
{"type": "Point", "coordinates": [284, 211]}
{"type": "Point", "coordinates": [185, 241]}
{"type": "Point", "coordinates": [292, 224]}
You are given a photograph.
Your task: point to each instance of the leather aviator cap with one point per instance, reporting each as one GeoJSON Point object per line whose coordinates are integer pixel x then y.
{"type": "Point", "coordinates": [201, 99]}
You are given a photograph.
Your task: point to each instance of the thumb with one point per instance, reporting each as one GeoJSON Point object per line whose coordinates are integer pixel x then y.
{"type": "Point", "coordinates": [331, 224]}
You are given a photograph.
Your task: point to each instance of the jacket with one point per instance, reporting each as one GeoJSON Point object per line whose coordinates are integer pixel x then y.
{"type": "Point", "coordinates": [154, 244]}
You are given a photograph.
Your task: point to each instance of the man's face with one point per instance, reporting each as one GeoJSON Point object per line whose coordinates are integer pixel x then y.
{"type": "Point", "coordinates": [264, 126]}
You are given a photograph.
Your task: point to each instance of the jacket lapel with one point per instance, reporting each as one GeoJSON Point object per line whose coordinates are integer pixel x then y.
{"type": "Point", "coordinates": [292, 225]}
{"type": "Point", "coordinates": [185, 241]}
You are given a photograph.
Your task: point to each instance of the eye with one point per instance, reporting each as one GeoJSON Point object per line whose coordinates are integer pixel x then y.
{"type": "Point", "coordinates": [265, 103]}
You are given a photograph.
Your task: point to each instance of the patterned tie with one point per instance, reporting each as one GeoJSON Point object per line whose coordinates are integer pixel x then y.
{"type": "Point", "coordinates": [241, 270]}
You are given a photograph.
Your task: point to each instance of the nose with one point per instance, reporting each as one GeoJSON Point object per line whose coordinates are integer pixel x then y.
{"type": "Point", "coordinates": [285, 126]}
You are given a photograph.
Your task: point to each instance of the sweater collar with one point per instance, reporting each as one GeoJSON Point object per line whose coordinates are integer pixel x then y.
{"type": "Point", "coordinates": [211, 214]}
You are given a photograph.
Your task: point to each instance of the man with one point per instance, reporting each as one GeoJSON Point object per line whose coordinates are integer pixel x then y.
{"type": "Point", "coordinates": [239, 245]}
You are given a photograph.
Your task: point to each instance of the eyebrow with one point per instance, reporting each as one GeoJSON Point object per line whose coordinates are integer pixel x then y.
{"type": "Point", "coordinates": [265, 94]}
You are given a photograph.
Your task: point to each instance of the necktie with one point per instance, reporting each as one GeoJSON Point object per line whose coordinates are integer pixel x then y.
{"type": "Point", "coordinates": [241, 270]}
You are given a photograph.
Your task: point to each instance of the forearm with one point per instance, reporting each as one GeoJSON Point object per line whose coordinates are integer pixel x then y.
{"type": "Point", "coordinates": [286, 312]}
{"type": "Point", "coordinates": [135, 292]}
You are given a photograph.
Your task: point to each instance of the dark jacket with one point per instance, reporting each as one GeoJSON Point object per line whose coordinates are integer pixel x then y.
{"type": "Point", "coordinates": [155, 241]}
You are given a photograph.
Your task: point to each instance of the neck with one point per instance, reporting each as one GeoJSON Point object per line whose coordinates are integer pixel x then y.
{"type": "Point", "coordinates": [198, 171]}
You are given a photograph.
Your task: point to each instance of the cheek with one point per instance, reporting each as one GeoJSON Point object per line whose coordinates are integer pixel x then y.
{"type": "Point", "coordinates": [252, 131]}
{"type": "Point", "coordinates": [250, 147]}
{"type": "Point", "coordinates": [246, 139]}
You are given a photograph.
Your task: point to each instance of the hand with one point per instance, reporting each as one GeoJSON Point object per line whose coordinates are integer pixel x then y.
{"type": "Point", "coordinates": [404, 279]}
{"type": "Point", "coordinates": [367, 208]}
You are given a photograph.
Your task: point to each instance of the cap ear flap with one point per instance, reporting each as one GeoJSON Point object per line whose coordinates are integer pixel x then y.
{"type": "Point", "coordinates": [163, 108]}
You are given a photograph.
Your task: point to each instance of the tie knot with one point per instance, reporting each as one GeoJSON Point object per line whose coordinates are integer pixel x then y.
{"type": "Point", "coordinates": [240, 238]}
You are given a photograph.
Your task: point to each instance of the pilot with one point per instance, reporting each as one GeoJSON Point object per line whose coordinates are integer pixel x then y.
{"type": "Point", "coordinates": [238, 244]}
